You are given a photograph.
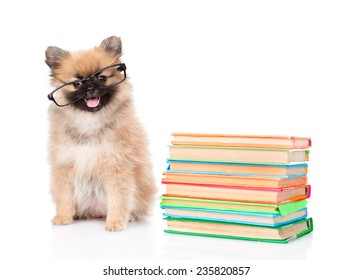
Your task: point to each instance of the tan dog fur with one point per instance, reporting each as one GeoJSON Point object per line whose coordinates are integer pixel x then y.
{"type": "Point", "coordinates": [100, 164]}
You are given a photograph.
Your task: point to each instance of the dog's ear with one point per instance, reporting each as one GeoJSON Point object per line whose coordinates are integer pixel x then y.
{"type": "Point", "coordinates": [54, 56]}
{"type": "Point", "coordinates": [112, 45]}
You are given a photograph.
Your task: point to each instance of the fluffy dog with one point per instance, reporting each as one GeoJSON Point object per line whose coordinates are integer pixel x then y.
{"type": "Point", "coordinates": [100, 164]}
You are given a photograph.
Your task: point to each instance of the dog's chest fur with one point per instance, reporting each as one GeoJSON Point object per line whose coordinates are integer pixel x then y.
{"type": "Point", "coordinates": [87, 143]}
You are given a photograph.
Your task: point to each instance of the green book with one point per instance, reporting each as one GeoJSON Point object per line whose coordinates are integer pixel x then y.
{"type": "Point", "coordinates": [281, 234]}
{"type": "Point", "coordinates": [212, 204]}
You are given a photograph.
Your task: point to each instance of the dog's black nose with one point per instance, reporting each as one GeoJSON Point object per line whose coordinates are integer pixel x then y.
{"type": "Point", "coordinates": [90, 90]}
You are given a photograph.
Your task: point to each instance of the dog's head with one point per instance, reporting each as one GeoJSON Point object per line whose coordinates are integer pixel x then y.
{"type": "Point", "coordinates": [87, 80]}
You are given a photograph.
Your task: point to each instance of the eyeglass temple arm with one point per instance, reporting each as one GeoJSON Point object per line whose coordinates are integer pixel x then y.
{"type": "Point", "coordinates": [122, 67]}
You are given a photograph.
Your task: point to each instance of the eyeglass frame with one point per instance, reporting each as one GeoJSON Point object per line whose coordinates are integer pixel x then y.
{"type": "Point", "coordinates": [121, 66]}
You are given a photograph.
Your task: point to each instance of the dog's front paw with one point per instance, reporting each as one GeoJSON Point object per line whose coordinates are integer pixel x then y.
{"type": "Point", "coordinates": [117, 225]}
{"type": "Point", "coordinates": [61, 220]}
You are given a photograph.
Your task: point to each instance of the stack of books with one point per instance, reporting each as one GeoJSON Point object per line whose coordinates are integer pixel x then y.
{"type": "Point", "coordinates": [237, 186]}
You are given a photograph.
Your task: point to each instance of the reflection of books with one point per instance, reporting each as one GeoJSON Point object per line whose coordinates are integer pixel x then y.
{"type": "Point", "coordinates": [238, 168]}
{"type": "Point", "coordinates": [227, 180]}
{"type": "Point", "coordinates": [251, 218]}
{"type": "Point", "coordinates": [234, 193]}
{"type": "Point", "coordinates": [238, 155]}
{"type": "Point", "coordinates": [219, 249]}
{"type": "Point", "coordinates": [232, 140]}
{"type": "Point", "coordinates": [196, 203]}
{"type": "Point", "coordinates": [280, 234]}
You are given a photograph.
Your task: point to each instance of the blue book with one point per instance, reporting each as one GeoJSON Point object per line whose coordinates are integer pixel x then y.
{"type": "Point", "coordinates": [249, 218]}
{"type": "Point", "coordinates": [238, 169]}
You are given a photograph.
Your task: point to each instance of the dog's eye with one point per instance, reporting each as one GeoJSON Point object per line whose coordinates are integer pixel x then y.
{"type": "Point", "coordinates": [101, 78]}
{"type": "Point", "coordinates": [77, 84]}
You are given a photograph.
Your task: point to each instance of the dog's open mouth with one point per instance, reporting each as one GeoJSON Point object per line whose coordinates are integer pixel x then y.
{"type": "Point", "coordinates": [92, 102]}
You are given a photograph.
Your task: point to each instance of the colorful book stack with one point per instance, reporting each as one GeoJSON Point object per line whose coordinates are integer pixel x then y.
{"type": "Point", "coordinates": [237, 186]}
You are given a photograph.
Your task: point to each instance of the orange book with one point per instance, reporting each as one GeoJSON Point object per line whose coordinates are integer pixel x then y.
{"type": "Point", "coordinates": [235, 193]}
{"type": "Point", "coordinates": [234, 140]}
{"type": "Point", "coordinates": [229, 180]}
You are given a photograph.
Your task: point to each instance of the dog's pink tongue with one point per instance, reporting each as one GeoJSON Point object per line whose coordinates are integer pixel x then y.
{"type": "Point", "coordinates": [92, 102]}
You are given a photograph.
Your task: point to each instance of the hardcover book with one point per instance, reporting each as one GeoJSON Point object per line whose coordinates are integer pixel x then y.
{"type": "Point", "coordinates": [237, 155]}
{"type": "Point", "coordinates": [250, 218]}
{"type": "Point", "coordinates": [233, 140]}
{"type": "Point", "coordinates": [227, 168]}
{"type": "Point", "coordinates": [236, 193]}
{"type": "Point", "coordinates": [214, 204]}
{"type": "Point", "coordinates": [280, 234]}
{"type": "Point", "coordinates": [228, 180]}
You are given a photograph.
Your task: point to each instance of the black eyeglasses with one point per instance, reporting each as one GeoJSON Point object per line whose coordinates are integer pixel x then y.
{"type": "Point", "coordinates": [73, 91]}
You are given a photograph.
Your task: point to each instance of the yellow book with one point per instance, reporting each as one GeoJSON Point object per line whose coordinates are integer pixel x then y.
{"type": "Point", "coordinates": [237, 155]}
{"type": "Point", "coordinates": [235, 140]}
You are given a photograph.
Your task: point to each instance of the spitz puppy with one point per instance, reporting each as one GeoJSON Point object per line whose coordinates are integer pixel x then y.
{"type": "Point", "coordinates": [100, 163]}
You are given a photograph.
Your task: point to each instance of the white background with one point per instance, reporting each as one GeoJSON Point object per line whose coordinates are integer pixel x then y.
{"type": "Point", "coordinates": [242, 67]}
